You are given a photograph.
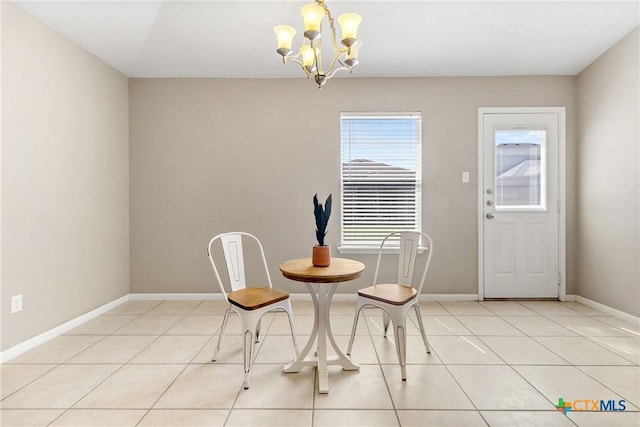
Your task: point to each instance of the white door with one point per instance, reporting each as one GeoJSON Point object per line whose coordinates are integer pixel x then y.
{"type": "Point", "coordinates": [520, 205]}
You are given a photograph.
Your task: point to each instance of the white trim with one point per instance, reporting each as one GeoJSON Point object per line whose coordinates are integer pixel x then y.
{"type": "Point", "coordinates": [608, 310]}
{"type": "Point", "coordinates": [562, 196]}
{"type": "Point", "coordinates": [448, 297]}
{"type": "Point", "coordinates": [336, 297]}
{"type": "Point", "coordinates": [562, 189]}
{"type": "Point", "coordinates": [18, 349]}
{"type": "Point", "coordinates": [303, 297]}
{"type": "Point", "coordinates": [176, 297]}
{"type": "Point", "coordinates": [217, 296]}
{"type": "Point", "coordinates": [480, 201]}
{"type": "Point", "coordinates": [570, 298]}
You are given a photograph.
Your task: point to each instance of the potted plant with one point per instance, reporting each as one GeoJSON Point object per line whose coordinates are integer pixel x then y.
{"type": "Point", "coordinates": [321, 256]}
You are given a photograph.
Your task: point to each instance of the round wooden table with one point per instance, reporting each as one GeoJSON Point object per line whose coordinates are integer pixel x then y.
{"type": "Point", "coordinates": [326, 280]}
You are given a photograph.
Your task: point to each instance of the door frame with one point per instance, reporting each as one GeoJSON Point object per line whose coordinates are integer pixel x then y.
{"type": "Point", "coordinates": [562, 194]}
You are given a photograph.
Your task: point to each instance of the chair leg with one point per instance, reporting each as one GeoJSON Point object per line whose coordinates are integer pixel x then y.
{"type": "Point", "coordinates": [250, 322]}
{"type": "Point", "coordinates": [400, 331]}
{"type": "Point", "coordinates": [353, 329]}
{"type": "Point", "coordinates": [422, 331]}
{"type": "Point", "coordinates": [385, 322]}
{"type": "Point", "coordinates": [248, 344]}
{"type": "Point", "coordinates": [293, 331]}
{"type": "Point", "coordinates": [222, 330]}
{"type": "Point", "coordinates": [258, 331]}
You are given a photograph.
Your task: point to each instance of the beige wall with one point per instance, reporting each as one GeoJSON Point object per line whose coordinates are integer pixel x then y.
{"type": "Point", "coordinates": [608, 180]}
{"type": "Point", "coordinates": [65, 194]}
{"type": "Point", "coordinates": [214, 155]}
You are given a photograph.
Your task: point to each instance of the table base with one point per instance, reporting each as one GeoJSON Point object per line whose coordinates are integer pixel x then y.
{"type": "Point", "coordinates": [321, 331]}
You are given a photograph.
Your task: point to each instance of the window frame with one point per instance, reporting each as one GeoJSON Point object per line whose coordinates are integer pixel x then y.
{"type": "Point", "coordinates": [413, 152]}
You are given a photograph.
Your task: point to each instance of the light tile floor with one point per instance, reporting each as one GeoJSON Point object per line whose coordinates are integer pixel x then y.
{"type": "Point", "coordinates": [498, 363]}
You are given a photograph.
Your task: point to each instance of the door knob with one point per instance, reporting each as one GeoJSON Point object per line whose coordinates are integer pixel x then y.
{"type": "Point", "coordinates": [489, 215]}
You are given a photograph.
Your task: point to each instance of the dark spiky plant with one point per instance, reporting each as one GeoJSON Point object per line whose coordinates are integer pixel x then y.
{"type": "Point", "coordinates": [322, 217]}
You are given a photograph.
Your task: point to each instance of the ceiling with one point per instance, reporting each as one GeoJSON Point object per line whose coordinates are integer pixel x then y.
{"type": "Point", "coordinates": [401, 38]}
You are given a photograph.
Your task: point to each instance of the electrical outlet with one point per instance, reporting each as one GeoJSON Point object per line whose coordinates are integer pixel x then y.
{"type": "Point", "coordinates": [16, 303]}
{"type": "Point", "coordinates": [465, 177]}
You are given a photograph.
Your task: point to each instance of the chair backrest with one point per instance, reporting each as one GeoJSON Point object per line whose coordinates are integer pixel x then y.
{"type": "Point", "coordinates": [411, 244]}
{"type": "Point", "coordinates": [232, 249]}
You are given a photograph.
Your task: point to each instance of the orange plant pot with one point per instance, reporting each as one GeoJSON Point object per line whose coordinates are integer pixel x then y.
{"type": "Point", "coordinates": [321, 256]}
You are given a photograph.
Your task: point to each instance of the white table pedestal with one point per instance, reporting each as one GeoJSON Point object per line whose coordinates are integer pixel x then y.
{"type": "Point", "coordinates": [321, 331]}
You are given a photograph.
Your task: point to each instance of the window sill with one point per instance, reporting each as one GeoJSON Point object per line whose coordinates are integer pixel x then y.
{"type": "Point", "coordinates": [356, 251]}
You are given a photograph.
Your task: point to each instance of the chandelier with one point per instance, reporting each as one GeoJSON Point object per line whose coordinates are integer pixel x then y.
{"type": "Point", "coordinates": [345, 56]}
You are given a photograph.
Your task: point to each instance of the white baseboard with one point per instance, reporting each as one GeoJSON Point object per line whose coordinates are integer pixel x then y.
{"type": "Point", "coordinates": [609, 310]}
{"type": "Point", "coordinates": [217, 296]}
{"type": "Point", "coordinates": [423, 297]}
{"type": "Point", "coordinates": [18, 349]}
{"type": "Point", "coordinates": [298, 296]}
{"type": "Point", "coordinates": [307, 297]}
{"type": "Point", "coordinates": [175, 297]}
{"type": "Point", "coordinates": [449, 297]}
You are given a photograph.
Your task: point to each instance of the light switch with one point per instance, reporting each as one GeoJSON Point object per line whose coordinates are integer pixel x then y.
{"type": "Point", "coordinates": [465, 177]}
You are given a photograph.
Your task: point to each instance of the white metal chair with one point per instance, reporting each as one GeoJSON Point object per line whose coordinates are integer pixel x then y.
{"type": "Point", "coordinates": [251, 303]}
{"type": "Point", "coordinates": [398, 298]}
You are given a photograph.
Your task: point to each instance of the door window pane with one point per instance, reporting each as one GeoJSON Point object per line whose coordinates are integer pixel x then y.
{"type": "Point", "coordinates": [520, 169]}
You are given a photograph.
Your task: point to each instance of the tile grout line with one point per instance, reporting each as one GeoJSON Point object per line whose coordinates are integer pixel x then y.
{"type": "Point", "coordinates": [180, 373]}
{"type": "Point", "coordinates": [384, 376]}
{"type": "Point", "coordinates": [157, 337]}
{"type": "Point", "coordinates": [101, 382]}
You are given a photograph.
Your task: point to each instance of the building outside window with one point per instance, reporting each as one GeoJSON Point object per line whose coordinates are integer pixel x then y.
{"type": "Point", "coordinates": [381, 180]}
{"type": "Point", "coordinates": [519, 163]}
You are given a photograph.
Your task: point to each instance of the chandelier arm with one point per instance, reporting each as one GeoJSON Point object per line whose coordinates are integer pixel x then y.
{"type": "Point", "coordinates": [287, 58]}
{"type": "Point", "coordinates": [293, 59]}
{"type": "Point", "coordinates": [332, 73]}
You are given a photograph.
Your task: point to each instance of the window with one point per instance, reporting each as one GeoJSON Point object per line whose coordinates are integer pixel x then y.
{"type": "Point", "coordinates": [381, 176]}
{"type": "Point", "coordinates": [520, 169]}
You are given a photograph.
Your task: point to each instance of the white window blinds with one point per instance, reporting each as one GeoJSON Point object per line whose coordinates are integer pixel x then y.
{"type": "Point", "coordinates": [381, 176]}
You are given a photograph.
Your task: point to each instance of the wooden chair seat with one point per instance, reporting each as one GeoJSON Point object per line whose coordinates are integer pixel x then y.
{"type": "Point", "coordinates": [255, 298]}
{"type": "Point", "coordinates": [389, 293]}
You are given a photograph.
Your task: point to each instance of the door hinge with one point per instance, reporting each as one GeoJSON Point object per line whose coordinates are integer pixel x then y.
{"type": "Point", "coordinates": [559, 278]}
{"type": "Point", "coordinates": [558, 206]}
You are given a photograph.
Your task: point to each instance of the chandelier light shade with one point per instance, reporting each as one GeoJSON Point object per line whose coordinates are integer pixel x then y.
{"type": "Point", "coordinates": [309, 57]}
{"type": "Point", "coordinates": [312, 15]}
{"type": "Point", "coordinates": [285, 34]}
{"type": "Point", "coordinates": [349, 25]}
